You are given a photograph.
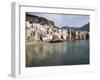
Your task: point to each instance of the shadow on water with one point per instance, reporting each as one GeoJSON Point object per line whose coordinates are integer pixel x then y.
{"type": "Point", "coordinates": [52, 54]}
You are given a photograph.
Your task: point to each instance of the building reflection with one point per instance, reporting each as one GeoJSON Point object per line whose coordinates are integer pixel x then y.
{"type": "Point", "coordinates": [38, 53]}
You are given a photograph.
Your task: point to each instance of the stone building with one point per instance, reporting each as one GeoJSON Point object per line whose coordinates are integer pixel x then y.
{"type": "Point", "coordinates": [39, 29]}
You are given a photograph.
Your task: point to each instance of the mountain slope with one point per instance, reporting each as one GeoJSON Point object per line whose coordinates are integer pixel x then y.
{"type": "Point", "coordinates": [83, 28]}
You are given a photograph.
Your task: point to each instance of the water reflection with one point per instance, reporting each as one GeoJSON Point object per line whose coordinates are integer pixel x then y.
{"type": "Point", "coordinates": [51, 54]}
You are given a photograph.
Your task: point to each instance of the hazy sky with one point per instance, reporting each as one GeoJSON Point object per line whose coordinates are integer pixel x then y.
{"type": "Point", "coordinates": [62, 20]}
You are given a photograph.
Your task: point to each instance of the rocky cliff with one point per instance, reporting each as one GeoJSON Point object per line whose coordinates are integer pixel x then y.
{"type": "Point", "coordinates": [39, 29]}
{"type": "Point", "coordinates": [39, 20]}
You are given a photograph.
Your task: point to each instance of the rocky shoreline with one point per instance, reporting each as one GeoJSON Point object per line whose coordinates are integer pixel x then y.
{"type": "Point", "coordinates": [41, 30]}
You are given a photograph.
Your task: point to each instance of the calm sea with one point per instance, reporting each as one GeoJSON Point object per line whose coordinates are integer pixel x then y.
{"type": "Point", "coordinates": [53, 54]}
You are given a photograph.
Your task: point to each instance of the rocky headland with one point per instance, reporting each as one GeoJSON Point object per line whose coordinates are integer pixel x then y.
{"type": "Point", "coordinates": [40, 29]}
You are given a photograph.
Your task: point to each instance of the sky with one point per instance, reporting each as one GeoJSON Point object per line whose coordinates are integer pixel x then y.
{"type": "Point", "coordinates": [61, 20]}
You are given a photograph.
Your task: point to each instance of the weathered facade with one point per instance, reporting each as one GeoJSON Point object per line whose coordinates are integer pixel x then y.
{"type": "Point", "coordinates": [42, 30]}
